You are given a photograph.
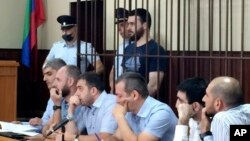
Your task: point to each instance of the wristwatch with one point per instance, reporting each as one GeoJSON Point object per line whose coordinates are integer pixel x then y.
{"type": "Point", "coordinates": [55, 107]}
{"type": "Point", "coordinates": [203, 135]}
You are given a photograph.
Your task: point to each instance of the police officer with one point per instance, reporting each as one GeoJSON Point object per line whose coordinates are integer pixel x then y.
{"type": "Point", "coordinates": [67, 48]}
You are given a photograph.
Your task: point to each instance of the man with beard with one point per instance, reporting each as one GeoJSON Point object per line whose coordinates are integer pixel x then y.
{"type": "Point", "coordinates": [189, 105]}
{"type": "Point", "coordinates": [121, 14]}
{"type": "Point", "coordinates": [64, 87]}
{"type": "Point", "coordinates": [49, 73]}
{"type": "Point", "coordinates": [139, 116]}
{"type": "Point", "coordinates": [67, 49]}
{"type": "Point", "coordinates": [95, 115]}
{"type": "Point", "coordinates": [224, 104]}
{"type": "Point", "coordinates": [142, 55]}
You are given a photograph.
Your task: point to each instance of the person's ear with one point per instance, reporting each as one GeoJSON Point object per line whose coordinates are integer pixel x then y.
{"type": "Point", "coordinates": [218, 104]}
{"type": "Point", "coordinates": [93, 90]}
{"type": "Point", "coordinates": [71, 81]}
{"type": "Point", "coordinates": [196, 106]}
{"type": "Point", "coordinates": [135, 95]}
{"type": "Point", "coordinates": [145, 25]}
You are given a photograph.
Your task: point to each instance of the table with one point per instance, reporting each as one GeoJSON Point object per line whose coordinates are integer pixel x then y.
{"type": "Point", "coordinates": [6, 139]}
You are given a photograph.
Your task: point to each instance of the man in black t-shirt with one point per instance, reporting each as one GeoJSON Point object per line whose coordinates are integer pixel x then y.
{"type": "Point", "coordinates": [143, 55]}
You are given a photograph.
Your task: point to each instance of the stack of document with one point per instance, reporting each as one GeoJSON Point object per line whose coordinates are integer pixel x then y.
{"type": "Point", "coordinates": [24, 129]}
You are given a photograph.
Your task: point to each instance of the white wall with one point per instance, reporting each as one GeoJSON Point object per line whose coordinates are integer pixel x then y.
{"type": "Point", "coordinates": [12, 13]}
{"type": "Point", "coordinates": [140, 3]}
{"type": "Point", "coordinates": [12, 22]}
{"type": "Point", "coordinates": [170, 38]}
{"type": "Point", "coordinates": [234, 41]}
{"type": "Point", "coordinates": [50, 31]}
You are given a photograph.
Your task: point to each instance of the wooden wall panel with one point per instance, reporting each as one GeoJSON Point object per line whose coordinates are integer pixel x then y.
{"type": "Point", "coordinates": [32, 95]}
{"type": "Point", "coordinates": [8, 90]}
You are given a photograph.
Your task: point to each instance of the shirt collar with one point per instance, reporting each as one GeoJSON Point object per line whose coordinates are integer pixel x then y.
{"type": "Point", "coordinates": [127, 41]}
{"type": "Point", "coordinates": [63, 101]}
{"type": "Point", "coordinates": [98, 102]}
{"type": "Point", "coordinates": [145, 108]}
{"type": "Point", "coordinates": [66, 45]}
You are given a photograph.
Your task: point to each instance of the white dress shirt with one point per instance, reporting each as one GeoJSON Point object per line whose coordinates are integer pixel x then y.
{"type": "Point", "coordinates": [221, 122]}
{"type": "Point", "coordinates": [187, 133]}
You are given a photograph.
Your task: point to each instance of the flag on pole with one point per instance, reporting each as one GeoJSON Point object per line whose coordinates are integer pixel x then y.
{"type": "Point", "coordinates": [34, 17]}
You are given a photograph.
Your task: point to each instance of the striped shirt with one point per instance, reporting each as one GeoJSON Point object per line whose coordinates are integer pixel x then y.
{"type": "Point", "coordinates": [221, 122]}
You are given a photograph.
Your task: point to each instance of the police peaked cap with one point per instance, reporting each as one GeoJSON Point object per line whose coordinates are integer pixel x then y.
{"type": "Point", "coordinates": [121, 15]}
{"type": "Point", "coordinates": [66, 21]}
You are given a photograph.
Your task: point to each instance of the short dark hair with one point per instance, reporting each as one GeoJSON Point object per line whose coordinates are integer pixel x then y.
{"type": "Point", "coordinates": [73, 71]}
{"type": "Point", "coordinates": [195, 89]}
{"type": "Point", "coordinates": [143, 14]}
{"type": "Point", "coordinates": [55, 64]}
{"type": "Point", "coordinates": [134, 81]}
{"type": "Point", "coordinates": [92, 80]}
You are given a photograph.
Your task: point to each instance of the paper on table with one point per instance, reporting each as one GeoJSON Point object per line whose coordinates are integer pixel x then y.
{"type": "Point", "coordinates": [28, 133]}
{"type": "Point", "coordinates": [18, 128]}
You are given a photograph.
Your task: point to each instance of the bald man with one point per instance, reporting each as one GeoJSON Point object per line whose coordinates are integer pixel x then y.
{"type": "Point", "coordinates": [224, 104]}
{"type": "Point", "coordinates": [64, 86]}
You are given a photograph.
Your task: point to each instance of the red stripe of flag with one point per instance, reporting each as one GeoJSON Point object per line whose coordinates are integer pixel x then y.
{"type": "Point", "coordinates": [34, 17]}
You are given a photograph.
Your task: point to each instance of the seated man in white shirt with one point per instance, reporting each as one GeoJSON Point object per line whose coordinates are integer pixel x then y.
{"type": "Point", "coordinates": [189, 105]}
{"type": "Point", "coordinates": [224, 104]}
